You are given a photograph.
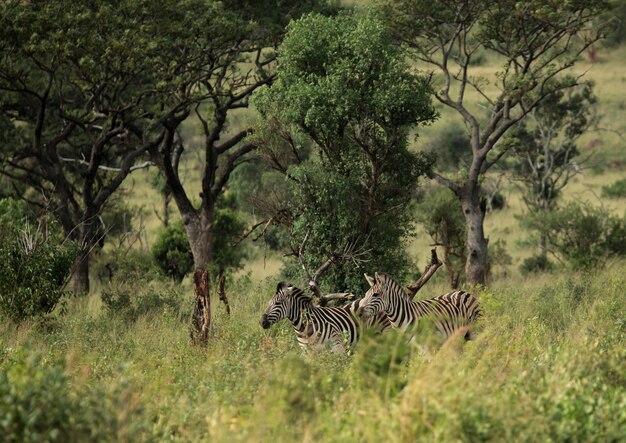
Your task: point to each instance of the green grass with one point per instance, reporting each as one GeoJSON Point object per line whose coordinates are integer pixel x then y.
{"type": "Point", "coordinates": [547, 364]}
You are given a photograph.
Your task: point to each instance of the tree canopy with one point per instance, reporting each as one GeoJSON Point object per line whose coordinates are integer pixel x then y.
{"type": "Point", "coordinates": [336, 123]}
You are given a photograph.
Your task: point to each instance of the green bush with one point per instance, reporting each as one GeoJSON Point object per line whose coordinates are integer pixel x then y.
{"type": "Point", "coordinates": [583, 235]}
{"type": "Point", "coordinates": [122, 265]}
{"type": "Point", "coordinates": [616, 190]}
{"type": "Point", "coordinates": [535, 264]}
{"type": "Point", "coordinates": [451, 146]}
{"type": "Point", "coordinates": [34, 265]}
{"type": "Point", "coordinates": [172, 252]}
{"type": "Point", "coordinates": [39, 403]}
{"type": "Point", "coordinates": [131, 303]}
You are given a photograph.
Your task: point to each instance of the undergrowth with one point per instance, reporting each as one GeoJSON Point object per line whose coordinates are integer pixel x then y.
{"type": "Point", "coordinates": [547, 365]}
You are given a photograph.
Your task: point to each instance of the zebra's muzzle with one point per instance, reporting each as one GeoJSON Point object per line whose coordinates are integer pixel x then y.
{"type": "Point", "coordinates": [265, 323]}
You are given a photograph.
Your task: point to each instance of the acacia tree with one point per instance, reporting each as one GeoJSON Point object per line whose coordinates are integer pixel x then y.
{"type": "Point", "coordinates": [544, 148]}
{"type": "Point", "coordinates": [74, 79]}
{"type": "Point", "coordinates": [535, 42]}
{"type": "Point", "coordinates": [335, 127]}
{"type": "Point", "coordinates": [226, 53]}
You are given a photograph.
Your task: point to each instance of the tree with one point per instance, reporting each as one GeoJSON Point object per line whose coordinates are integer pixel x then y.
{"type": "Point", "coordinates": [71, 96]}
{"type": "Point", "coordinates": [224, 52]}
{"type": "Point", "coordinates": [335, 128]}
{"type": "Point", "coordinates": [535, 42]}
{"type": "Point", "coordinates": [544, 151]}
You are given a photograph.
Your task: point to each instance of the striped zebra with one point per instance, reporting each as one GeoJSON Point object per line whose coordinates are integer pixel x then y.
{"type": "Point", "coordinates": [449, 312]}
{"type": "Point", "coordinates": [315, 326]}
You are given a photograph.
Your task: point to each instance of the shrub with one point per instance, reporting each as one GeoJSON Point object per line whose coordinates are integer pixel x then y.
{"type": "Point", "coordinates": [616, 190]}
{"type": "Point", "coordinates": [535, 264]}
{"type": "Point", "coordinates": [130, 303]}
{"type": "Point", "coordinates": [122, 265]}
{"type": "Point", "coordinates": [35, 265]}
{"type": "Point", "coordinates": [451, 146]}
{"type": "Point", "coordinates": [581, 234]}
{"type": "Point", "coordinates": [172, 252]}
{"type": "Point", "coordinates": [38, 403]}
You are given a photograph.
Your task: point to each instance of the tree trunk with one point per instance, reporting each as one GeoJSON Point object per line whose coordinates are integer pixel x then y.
{"type": "Point", "coordinates": [543, 246]}
{"type": "Point", "coordinates": [166, 209]}
{"type": "Point", "coordinates": [477, 264]}
{"type": "Point", "coordinates": [87, 240]}
{"type": "Point", "coordinates": [201, 318]}
{"type": "Point", "coordinates": [199, 231]}
{"type": "Point", "coordinates": [80, 279]}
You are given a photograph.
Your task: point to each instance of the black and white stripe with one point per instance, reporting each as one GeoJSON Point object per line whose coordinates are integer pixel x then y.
{"type": "Point", "coordinates": [449, 312]}
{"type": "Point", "coordinates": [315, 326]}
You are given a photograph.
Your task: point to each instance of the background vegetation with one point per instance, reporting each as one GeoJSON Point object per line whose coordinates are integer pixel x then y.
{"type": "Point", "coordinates": [117, 364]}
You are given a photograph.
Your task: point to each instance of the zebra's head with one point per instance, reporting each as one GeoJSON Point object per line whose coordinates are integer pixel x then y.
{"type": "Point", "coordinates": [279, 306]}
{"type": "Point", "coordinates": [374, 301]}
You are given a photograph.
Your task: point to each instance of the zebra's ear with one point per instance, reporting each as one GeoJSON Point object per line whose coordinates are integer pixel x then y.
{"type": "Point", "coordinates": [370, 280]}
{"type": "Point", "coordinates": [378, 278]}
{"type": "Point", "coordinates": [280, 286]}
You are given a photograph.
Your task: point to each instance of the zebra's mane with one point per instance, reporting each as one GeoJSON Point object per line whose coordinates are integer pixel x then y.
{"type": "Point", "coordinates": [293, 292]}
{"type": "Point", "coordinates": [388, 283]}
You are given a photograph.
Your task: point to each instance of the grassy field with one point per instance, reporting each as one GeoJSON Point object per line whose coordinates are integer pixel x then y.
{"type": "Point", "coordinates": [548, 363]}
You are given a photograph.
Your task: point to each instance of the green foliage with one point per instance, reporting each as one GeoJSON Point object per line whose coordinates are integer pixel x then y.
{"type": "Point", "coordinates": [335, 124]}
{"type": "Point", "coordinates": [583, 235]}
{"type": "Point", "coordinates": [172, 252]}
{"type": "Point", "coordinates": [615, 190]}
{"type": "Point", "coordinates": [545, 154]}
{"type": "Point", "coordinates": [126, 266]}
{"type": "Point", "coordinates": [38, 402]}
{"type": "Point", "coordinates": [228, 229]}
{"type": "Point", "coordinates": [143, 381]}
{"type": "Point", "coordinates": [35, 264]}
{"type": "Point", "coordinates": [538, 263]}
{"type": "Point", "coordinates": [130, 302]}
{"type": "Point", "coordinates": [452, 148]}
{"type": "Point", "coordinates": [440, 213]}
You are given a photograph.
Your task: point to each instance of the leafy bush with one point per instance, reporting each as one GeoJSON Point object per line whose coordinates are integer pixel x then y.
{"type": "Point", "coordinates": [35, 265]}
{"type": "Point", "coordinates": [122, 265]}
{"type": "Point", "coordinates": [535, 264]}
{"type": "Point", "coordinates": [451, 146]}
{"type": "Point", "coordinates": [616, 190]}
{"type": "Point", "coordinates": [130, 303]}
{"type": "Point", "coordinates": [172, 252]}
{"type": "Point", "coordinates": [581, 234]}
{"type": "Point", "coordinates": [38, 403]}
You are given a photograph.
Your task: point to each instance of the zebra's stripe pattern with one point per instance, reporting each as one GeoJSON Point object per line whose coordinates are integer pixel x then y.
{"type": "Point", "coordinates": [449, 311]}
{"type": "Point", "coordinates": [315, 326]}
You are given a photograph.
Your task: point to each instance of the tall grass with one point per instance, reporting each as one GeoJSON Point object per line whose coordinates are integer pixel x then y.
{"type": "Point", "coordinates": [547, 364]}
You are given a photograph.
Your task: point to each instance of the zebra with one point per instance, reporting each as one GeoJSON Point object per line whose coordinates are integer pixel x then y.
{"type": "Point", "coordinates": [315, 326]}
{"type": "Point", "coordinates": [449, 312]}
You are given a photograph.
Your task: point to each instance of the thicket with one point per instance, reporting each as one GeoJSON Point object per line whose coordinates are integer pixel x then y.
{"type": "Point", "coordinates": [35, 262]}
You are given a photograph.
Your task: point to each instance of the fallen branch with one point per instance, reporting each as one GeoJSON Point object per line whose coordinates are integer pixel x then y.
{"type": "Point", "coordinates": [430, 269]}
{"type": "Point", "coordinates": [336, 296]}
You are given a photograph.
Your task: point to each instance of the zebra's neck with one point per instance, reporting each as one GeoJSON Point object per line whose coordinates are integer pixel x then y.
{"type": "Point", "coordinates": [300, 304]}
